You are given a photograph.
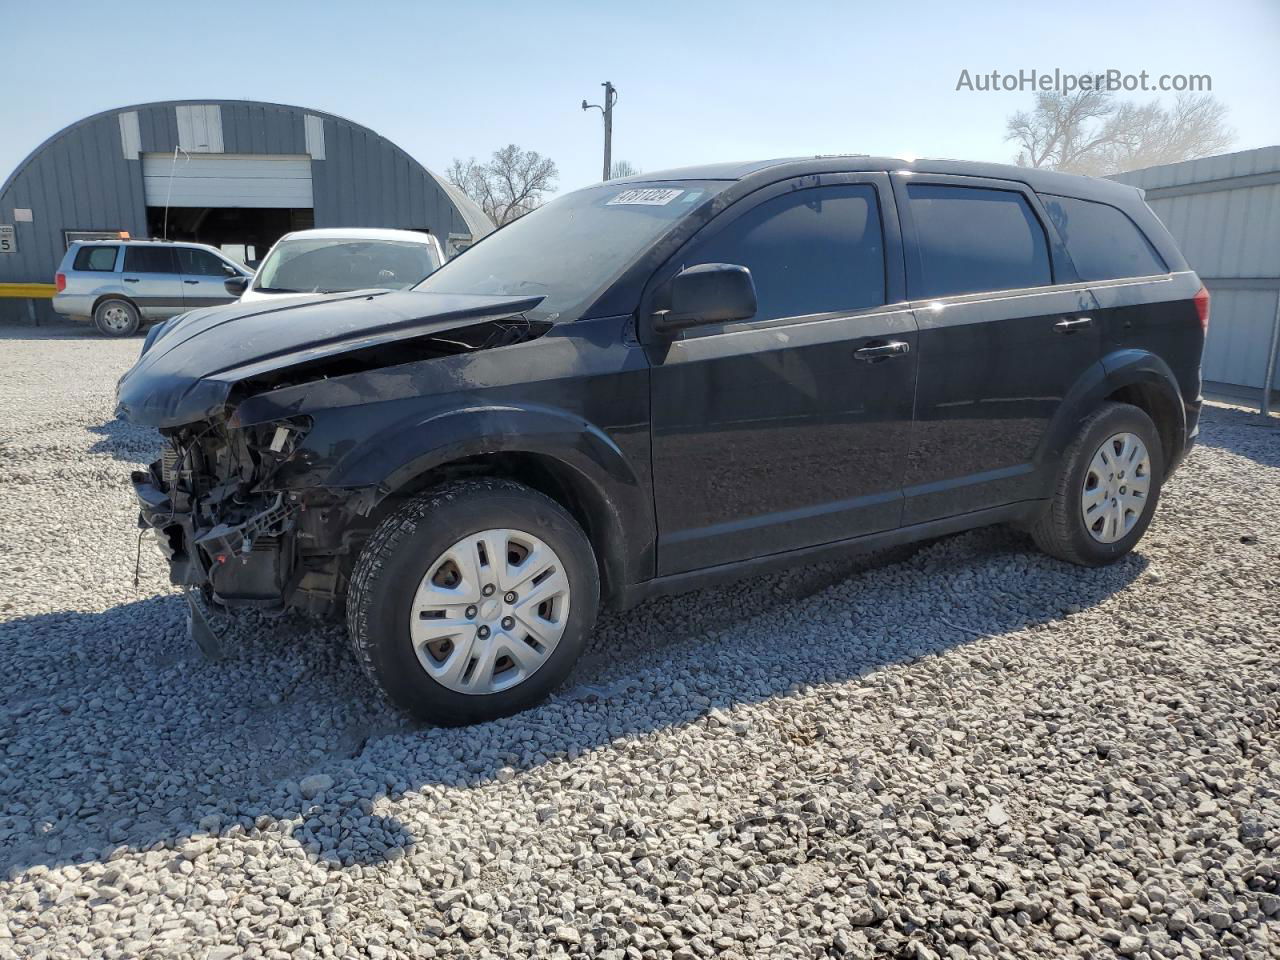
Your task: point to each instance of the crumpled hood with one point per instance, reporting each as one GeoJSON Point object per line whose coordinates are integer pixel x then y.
{"type": "Point", "coordinates": [188, 373]}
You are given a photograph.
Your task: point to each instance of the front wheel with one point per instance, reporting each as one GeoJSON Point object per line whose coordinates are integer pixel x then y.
{"type": "Point", "coordinates": [1107, 490]}
{"type": "Point", "coordinates": [473, 601]}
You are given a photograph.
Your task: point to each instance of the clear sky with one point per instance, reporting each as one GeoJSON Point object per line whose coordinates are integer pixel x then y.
{"type": "Point", "coordinates": [697, 81]}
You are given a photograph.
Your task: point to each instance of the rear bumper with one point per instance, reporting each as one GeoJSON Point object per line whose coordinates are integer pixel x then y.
{"type": "Point", "coordinates": [73, 304]}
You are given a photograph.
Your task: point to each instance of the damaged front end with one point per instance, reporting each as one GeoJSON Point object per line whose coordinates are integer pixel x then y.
{"type": "Point", "coordinates": [239, 505]}
{"type": "Point", "coordinates": [219, 519]}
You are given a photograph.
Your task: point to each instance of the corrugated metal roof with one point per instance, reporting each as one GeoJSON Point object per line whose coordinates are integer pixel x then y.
{"type": "Point", "coordinates": [1221, 167]}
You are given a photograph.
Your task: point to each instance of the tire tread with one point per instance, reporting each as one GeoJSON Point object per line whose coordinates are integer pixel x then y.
{"type": "Point", "coordinates": [387, 539]}
{"type": "Point", "coordinates": [1052, 531]}
{"type": "Point", "coordinates": [98, 325]}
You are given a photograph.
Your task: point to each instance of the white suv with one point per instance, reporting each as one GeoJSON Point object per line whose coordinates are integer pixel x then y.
{"type": "Point", "coordinates": [120, 284]}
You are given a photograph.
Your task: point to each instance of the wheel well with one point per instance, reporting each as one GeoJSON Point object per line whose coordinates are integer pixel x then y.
{"type": "Point", "coordinates": [545, 474]}
{"type": "Point", "coordinates": [114, 296]}
{"type": "Point", "coordinates": [1162, 410]}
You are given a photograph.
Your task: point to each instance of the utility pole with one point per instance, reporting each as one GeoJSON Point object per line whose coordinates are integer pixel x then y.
{"type": "Point", "coordinates": [610, 98]}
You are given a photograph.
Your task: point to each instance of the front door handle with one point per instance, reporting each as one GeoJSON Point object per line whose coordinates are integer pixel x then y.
{"type": "Point", "coordinates": [1070, 326]}
{"type": "Point", "coordinates": [882, 351]}
{"type": "Point", "coordinates": [192, 282]}
{"type": "Point", "coordinates": [130, 279]}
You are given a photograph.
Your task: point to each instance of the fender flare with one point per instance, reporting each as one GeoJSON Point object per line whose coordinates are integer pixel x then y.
{"type": "Point", "coordinates": [1115, 371]}
{"type": "Point", "coordinates": [618, 503]}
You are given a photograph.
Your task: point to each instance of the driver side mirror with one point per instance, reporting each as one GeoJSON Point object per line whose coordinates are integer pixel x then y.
{"type": "Point", "coordinates": [236, 285]}
{"type": "Point", "coordinates": [708, 293]}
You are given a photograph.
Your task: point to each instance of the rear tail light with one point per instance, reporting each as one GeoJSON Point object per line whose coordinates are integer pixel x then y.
{"type": "Point", "coordinates": [1201, 300]}
{"type": "Point", "coordinates": [60, 280]}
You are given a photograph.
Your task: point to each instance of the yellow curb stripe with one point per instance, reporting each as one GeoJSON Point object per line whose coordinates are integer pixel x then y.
{"type": "Point", "coordinates": [34, 290]}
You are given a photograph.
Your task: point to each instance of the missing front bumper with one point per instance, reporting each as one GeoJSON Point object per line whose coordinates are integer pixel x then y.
{"type": "Point", "coordinates": [249, 563]}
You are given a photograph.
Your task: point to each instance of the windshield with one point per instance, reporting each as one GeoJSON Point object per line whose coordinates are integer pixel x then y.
{"type": "Point", "coordinates": [573, 247]}
{"type": "Point", "coordinates": [334, 265]}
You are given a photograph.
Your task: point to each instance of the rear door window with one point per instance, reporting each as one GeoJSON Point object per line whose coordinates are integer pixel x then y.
{"type": "Point", "coordinates": [1102, 241]}
{"type": "Point", "coordinates": [202, 263]}
{"type": "Point", "coordinates": [149, 260]}
{"type": "Point", "coordinates": [819, 250]}
{"type": "Point", "coordinates": [99, 259]}
{"type": "Point", "coordinates": [973, 239]}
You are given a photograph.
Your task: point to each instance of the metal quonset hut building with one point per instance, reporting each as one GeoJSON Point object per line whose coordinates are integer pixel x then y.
{"type": "Point", "coordinates": [232, 173]}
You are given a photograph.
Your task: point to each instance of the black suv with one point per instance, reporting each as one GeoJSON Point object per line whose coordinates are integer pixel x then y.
{"type": "Point", "coordinates": [656, 382]}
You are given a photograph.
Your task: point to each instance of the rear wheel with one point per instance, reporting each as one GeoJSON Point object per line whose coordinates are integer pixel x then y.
{"type": "Point", "coordinates": [116, 318]}
{"type": "Point", "coordinates": [1107, 490]}
{"type": "Point", "coordinates": [473, 601]}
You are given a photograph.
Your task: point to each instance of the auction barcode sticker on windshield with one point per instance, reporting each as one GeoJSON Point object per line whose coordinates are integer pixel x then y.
{"type": "Point", "coordinates": [648, 197]}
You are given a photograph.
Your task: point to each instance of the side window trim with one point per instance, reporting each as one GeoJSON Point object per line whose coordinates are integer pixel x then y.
{"type": "Point", "coordinates": [891, 237]}
{"type": "Point", "coordinates": [1062, 271]}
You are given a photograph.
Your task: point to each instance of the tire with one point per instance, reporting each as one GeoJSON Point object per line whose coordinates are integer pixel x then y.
{"type": "Point", "coordinates": [431, 680]}
{"type": "Point", "coordinates": [116, 318]}
{"type": "Point", "coordinates": [1099, 536]}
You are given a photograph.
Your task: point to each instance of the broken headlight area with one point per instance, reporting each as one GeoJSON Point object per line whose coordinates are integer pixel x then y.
{"type": "Point", "coordinates": [217, 513]}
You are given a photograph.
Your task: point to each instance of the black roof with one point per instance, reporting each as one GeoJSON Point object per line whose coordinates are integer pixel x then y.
{"type": "Point", "coordinates": [759, 172]}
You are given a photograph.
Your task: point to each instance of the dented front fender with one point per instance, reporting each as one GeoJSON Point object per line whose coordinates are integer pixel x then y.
{"type": "Point", "coordinates": [576, 397]}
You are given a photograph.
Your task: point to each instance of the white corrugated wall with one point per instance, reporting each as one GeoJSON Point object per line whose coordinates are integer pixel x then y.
{"type": "Point", "coordinates": [1224, 212]}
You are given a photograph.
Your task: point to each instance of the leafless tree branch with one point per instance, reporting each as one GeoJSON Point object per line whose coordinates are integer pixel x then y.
{"type": "Point", "coordinates": [509, 185]}
{"type": "Point", "coordinates": [1089, 132]}
{"type": "Point", "coordinates": [623, 168]}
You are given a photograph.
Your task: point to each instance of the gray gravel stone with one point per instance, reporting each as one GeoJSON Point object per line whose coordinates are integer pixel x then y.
{"type": "Point", "coordinates": [960, 749]}
{"type": "Point", "coordinates": [474, 923]}
{"type": "Point", "coordinates": [315, 784]}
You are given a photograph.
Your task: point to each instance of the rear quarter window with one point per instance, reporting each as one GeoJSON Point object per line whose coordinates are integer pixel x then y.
{"type": "Point", "coordinates": [98, 259]}
{"type": "Point", "coordinates": [1101, 240]}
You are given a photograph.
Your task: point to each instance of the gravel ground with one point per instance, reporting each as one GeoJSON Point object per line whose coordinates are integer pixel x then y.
{"type": "Point", "coordinates": [966, 749]}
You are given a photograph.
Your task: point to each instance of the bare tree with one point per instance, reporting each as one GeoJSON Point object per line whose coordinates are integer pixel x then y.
{"type": "Point", "coordinates": [1090, 132]}
{"type": "Point", "coordinates": [510, 184]}
{"type": "Point", "coordinates": [1062, 130]}
{"type": "Point", "coordinates": [1149, 135]}
{"type": "Point", "coordinates": [623, 168]}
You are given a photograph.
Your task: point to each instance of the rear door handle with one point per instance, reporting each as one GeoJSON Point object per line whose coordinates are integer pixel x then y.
{"type": "Point", "coordinates": [882, 351]}
{"type": "Point", "coordinates": [1067, 326]}
{"type": "Point", "coordinates": [130, 279]}
{"type": "Point", "coordinates": [192, 282]}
